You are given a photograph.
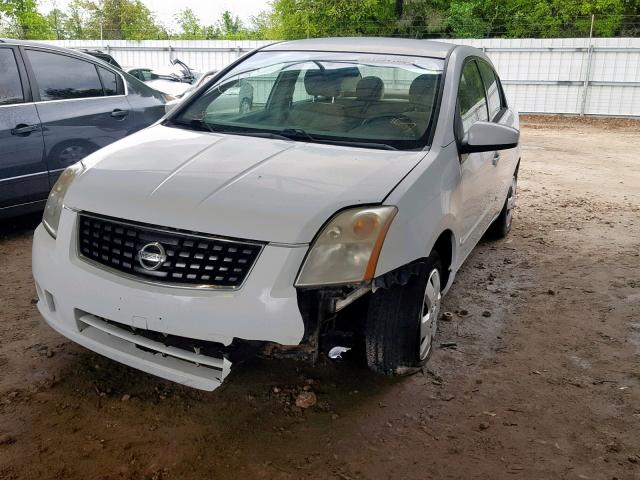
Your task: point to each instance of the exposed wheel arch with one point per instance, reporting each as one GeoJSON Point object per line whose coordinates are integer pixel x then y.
{"type": "Point", "coordinates": [444, 246]}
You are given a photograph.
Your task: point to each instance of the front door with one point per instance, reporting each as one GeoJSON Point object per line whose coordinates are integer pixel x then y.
{"type": "Point", "coordinates": [477, 169]}
{"type": "Point", "coordinates": [23, 171]}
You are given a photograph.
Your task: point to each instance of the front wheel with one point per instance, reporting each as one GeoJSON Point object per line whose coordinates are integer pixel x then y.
{"type": "Point", "coordinates": [402, 321]}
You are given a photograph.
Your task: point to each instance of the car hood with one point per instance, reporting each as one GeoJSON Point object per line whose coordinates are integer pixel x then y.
{"type": "Point", "coordinates": [236, 186]}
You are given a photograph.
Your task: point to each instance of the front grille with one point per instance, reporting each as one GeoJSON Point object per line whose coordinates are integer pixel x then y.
{"type": "Point", "coordinates": [192, 259]}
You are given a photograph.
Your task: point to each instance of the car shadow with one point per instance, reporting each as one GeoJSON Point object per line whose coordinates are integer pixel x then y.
{"type": "Point", "coordinates": [17, 226]}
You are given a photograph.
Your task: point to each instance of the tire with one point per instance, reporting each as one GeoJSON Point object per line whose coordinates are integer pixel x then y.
{"type": "Point", "coordinates": [394, 331]}
{"type": "Point", "coordinates": [501, 226]}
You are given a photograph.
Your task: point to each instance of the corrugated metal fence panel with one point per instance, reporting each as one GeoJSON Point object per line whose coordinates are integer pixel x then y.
{"type": "Point", "coordinates": [199, 54]}
{"type": "Point", "coordinates": [547, 75]}
{"type": "Point", "coordinates": [539, 75]}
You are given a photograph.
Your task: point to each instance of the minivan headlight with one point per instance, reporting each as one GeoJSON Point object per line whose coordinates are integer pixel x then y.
{"type": "Point", "coordinates": [347, 248]}
{"type": "Point", "coordinates": [53, 209]}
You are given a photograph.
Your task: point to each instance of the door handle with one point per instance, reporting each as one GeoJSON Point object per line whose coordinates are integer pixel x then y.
{"type": "Point", "coordinates": [117, 113]}
{"type": "Point", "coordinates": [22, 129]}
{"type": "Point", "coordinates": [496, 158]}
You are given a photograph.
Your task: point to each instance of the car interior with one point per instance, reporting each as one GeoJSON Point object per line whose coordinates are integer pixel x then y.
{"type": "Point", "coordinates": [338, 101]}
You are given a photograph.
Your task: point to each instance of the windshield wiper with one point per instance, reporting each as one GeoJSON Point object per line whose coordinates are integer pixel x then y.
{"type": "Point", "coordinates": [196, 124]}
{"type": "Point", "coordinates": [296, 134]}
{"type": "Point", "coordinates": [300, 134]}
{"type": "Point", "coordinates": [286, 134]}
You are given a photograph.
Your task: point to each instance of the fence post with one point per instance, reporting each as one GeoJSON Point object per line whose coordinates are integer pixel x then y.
{"type": "Point", "coordinates": [170, 54]}
{"type": "Point", "coordinates": [585, 86]}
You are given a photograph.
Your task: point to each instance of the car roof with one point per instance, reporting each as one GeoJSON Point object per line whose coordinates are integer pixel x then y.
{"type": "Point", "coordinates": [397, 46]}
{"type": "Point", "coordinates": [48, 46]}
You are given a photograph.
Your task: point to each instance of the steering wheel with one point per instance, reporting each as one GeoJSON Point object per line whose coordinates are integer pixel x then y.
{"type": "Point", "coordinates": [398, 120]}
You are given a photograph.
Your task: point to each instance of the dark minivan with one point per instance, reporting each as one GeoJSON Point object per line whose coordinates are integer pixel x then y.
{"type": "Point", "coordinates": [57, 106]}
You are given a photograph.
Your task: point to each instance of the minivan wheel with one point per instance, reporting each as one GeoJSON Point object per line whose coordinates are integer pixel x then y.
{"type": "Point", "coordinates": [502, 225]}
{"type": "Point", "coordinates": [402, 321]}
{"type": "Point", "coordinates": [68, 153]}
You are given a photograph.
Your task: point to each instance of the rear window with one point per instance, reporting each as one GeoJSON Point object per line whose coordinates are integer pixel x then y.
{"type": "Point", "coordinates": [61, 77]}
{"type": "Point", "coordinates": [109, 81]}
{"type": "Point", "coordinates": [10, 86]}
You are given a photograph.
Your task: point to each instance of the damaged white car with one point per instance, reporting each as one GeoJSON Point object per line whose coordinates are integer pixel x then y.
{"type": "Point", "coordinates": [334, 211]}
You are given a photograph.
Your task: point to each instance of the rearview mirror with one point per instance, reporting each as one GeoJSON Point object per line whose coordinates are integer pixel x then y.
{"type": "Point", "coordinates": [487, 137]}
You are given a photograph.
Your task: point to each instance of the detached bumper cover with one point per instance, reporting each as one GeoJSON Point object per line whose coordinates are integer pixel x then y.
{"type": "Point", "coordinates": [79, 300]}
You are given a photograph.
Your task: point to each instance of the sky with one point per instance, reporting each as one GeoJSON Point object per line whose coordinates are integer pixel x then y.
{"type": "Point", "coordinates": [209, 11]}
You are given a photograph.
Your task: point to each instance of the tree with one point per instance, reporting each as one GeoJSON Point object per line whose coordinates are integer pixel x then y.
{"type": "Point", "coordinates": [316, 18]}
{"type": "Point", "coordinates": [190, 26]}
{"type": "Point", "coordinates": [120, 20]}
{"type": "Point", "coordinates": [229, 25]}
{"type": "Point", "coordinates": [466, 21]}
{"type": "Point", "coordinates": [23, 20]}
{"type": "Point", "coordinates": [75, 22]}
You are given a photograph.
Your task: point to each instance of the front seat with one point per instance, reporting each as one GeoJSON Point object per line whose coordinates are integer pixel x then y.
{"type": "Point", "coordinates": [369, 91]}
{"type": "Point", "coordinates": [321, 113]}
{"type": "Point", "coordinates": [422, 92]}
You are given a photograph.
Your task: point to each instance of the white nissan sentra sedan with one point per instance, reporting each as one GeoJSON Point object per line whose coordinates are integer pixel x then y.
{"type": "Point", "coordinates": [334, 211]}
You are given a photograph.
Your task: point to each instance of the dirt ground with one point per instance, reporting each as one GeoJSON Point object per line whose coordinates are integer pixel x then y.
{"type": "Point", "coordinates": [544, 386]}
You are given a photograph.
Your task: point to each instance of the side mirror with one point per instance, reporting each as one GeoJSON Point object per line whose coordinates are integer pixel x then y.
{"type": "Point", "coordinates": [487, 137]}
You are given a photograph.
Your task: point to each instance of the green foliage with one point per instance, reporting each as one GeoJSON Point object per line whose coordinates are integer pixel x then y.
{"type": "Point", "coordinates": [451, 18]}
{"type": "Point", "coordinates": [120, 19]}
{"type": "Point", "coordinates": [466, 20]}
{"type": "Point", "coordinates": [21, 19]}
{"type": "Point", "coordinates": [229, 27]}
{"type": "Point", "coordinates": [291, 19]}
{"type": "Point", "coordinates": [321, 18]}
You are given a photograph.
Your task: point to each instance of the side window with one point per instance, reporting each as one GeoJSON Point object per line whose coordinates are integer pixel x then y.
{"type": "Point", "coordinates": [472, 102]}
{"type": "Point", "coordinates": [60, 77]}
{"type": "Point", "coordinates": [10, 86]}
{"type": "Point", "coordinates": [109, 81]}
{"type": "Point", "coordinates": [493, 89]}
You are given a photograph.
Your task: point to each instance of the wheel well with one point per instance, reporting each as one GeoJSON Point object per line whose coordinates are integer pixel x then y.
{"type": "Point", "coordinates": [444, 247]}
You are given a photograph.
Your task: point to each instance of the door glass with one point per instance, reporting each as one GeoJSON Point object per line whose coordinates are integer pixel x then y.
{"type": "Point", "coordinates": [471, 98]}
{"type": "Point", "coordinates": [60, 77]}
{"type": "Point", "coordinates": [109, 81]}
{"type": "Point", "coordinates": [10, 86]}
{"type": "Point", "coordinates": [493, 89]}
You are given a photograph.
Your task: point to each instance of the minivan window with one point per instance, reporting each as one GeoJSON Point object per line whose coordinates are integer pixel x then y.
{"type": "Point", "coordinates": [61, 77]}
{"type": "Point", "coordinates": [362, 99]}
{"type": "Point", "coordinates": [109, 81]}
{"type": "Point", "coordinates": [10, 86]}
{"type": "Point", "coordinates": [472, 103]}
{"type": "Point", "coordinates": [493, 89]}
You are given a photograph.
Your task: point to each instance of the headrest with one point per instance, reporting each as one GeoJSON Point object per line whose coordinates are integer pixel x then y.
{"type": "Point", "coordinates": [369, 89]}
{"type": "Point", "coordinates": [422, 90]}
{"type": "Point", "coordinates": [319, 83]}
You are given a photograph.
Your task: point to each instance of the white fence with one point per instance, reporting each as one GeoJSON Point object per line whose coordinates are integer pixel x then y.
{"type": "Point", "coordinates": [600, 76]}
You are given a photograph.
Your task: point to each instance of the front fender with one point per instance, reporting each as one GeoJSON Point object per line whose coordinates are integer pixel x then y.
{"type": "Point", "coordinates": [426, 199]}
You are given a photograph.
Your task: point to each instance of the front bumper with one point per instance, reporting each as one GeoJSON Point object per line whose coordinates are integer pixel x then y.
{"type": "Point", "coordinates": [74, 296]}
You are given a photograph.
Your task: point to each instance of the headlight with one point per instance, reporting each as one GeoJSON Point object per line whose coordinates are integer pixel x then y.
{"type": "Point", "coordinates": [52, 211]}
{"type": "Point", "coordinates": [347, 248]}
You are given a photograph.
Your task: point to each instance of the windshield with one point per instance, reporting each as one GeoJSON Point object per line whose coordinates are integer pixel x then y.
{"type": "Point", "coordinates": [364, 99]}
